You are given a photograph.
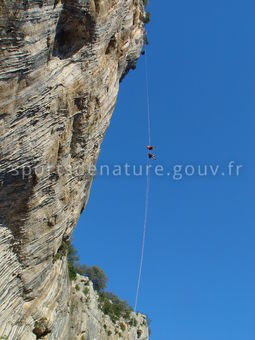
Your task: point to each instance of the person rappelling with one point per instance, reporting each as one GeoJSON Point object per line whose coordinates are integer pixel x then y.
{"type": "Point", "coordinates": [151, 156]}
{"type": "Point", "coordinates": [150, 148]}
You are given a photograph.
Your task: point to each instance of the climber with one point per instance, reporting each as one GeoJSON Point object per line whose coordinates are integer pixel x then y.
{"type": "Point", "coordinates": [151, 156]}
{"type": "Point", "coordinates": [149, 147]}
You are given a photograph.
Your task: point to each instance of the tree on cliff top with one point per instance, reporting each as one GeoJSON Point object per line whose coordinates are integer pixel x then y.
{"type": "Point", "coordinates": [98, 278]}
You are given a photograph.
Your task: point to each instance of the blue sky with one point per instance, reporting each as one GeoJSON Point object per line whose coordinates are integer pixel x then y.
{"type": "Point", "coordinates": [198, 278]}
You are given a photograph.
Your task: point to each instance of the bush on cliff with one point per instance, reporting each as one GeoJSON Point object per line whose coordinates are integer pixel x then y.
{"type": "Point", "coordinates": [72, 260]}
{"type": "Point", "coordinates": [98, 278]}
{"type": "Point", "coordinates": [147, 18]}
{"type": "Point", "coordinates": [111, 305]}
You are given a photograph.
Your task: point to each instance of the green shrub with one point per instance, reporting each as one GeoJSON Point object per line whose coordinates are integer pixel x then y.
{"type": "Point", "coordinates": [72, 271]}
{"type": "Point", "coordinates": [86, 291]}
{"type": "Point", "coordinates": [146, 40]}
{"type": "Point", "coordinates": [66, 249]}
{"type": "Point", "coordinates": [133, 322]}
{"type": "Point", "coordinates": [71, 253]}
{"type": "Point", "coordinates": [81, 268]}
{"type": "Point", "coordinates": [56, 257]}
{"type": "Point", "coordinates": [122, 326]}
{"type": "Point", "coordinates": [111, 305]}
{"type": "Point", "coordinates": [145, 2]}
{"type": "Point", "coordinates": [139, 333]}
{"type": "Point", "coordinates": [72, 260]}
{"type": "Point", "coordinates": [147, 18]}
{"type": "Point", "coordinates": [62, 251]}
{"type": "Point", "coordinates": [98, 278]}
{"type": "Point", "coordinates": [73, 306]}
{"type": "Point", "coordinates": [109, 333]}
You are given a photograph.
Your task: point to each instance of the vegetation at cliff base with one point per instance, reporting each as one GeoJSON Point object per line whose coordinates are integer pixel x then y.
{"type": "Point", "coordinates": [109, 303]}
{"type": "Point", "coordinates": [72, 259]}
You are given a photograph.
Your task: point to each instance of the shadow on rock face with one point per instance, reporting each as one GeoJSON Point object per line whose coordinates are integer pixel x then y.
{"type": "Point", "coordinates": [15, 191]}
{"type": "Point", "coordinates": [75, 29]}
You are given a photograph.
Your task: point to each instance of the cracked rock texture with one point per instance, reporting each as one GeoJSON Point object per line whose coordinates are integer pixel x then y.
{"type": "Point", "coordinates": [60, 67]}
{"type": "Point", "coordinates": [90, 322]}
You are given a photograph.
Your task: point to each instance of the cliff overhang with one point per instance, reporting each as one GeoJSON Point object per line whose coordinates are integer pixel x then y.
{"type": "Point", "coordinates": [61, 63]}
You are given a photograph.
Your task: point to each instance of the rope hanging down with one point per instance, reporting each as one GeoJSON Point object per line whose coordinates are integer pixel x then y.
{"type": "Point", "coordinates": [147, 185]}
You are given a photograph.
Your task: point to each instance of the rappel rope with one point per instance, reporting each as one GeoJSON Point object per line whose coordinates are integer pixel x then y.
{"type": "Point", "coordinates": [147, 185]}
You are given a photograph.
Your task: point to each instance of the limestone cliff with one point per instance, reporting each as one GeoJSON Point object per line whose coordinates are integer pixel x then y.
{"type": "Point", "coordinates": [61, 63]}
{"type": "Point", "coordinates": [89, 322]}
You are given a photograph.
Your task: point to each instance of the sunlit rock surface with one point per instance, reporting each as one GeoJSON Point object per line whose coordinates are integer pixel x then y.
{"type": "Point", "coordinates": [89, 321]}
{"type": "Point", "coordinates": [61, 63]}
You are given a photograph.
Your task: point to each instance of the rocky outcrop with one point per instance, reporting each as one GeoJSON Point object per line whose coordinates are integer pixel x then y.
{"type": "Point", "coordinates": [89, 322]}
{"type": "Point", "coordinates": [61, 63]}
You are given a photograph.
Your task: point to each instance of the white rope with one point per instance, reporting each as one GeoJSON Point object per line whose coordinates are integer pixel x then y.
{"type": "Point", "coordinates": [147, 186]}
{"type": "Point", "coordinates": [147, 97]}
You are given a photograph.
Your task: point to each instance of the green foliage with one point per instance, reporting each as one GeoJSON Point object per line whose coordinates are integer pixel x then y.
{"type": "Point", "coordinates": [71, 253]}
{"type": "Point", "coordinates": [147, 18]}
{"type": "Point", "coordinates": [73, 306]}
{"type": "Point", "coordinates": [145, 2]}
{"type": "Point", "coordinates": [94, 273]}
{"type": "Point", "coordinates": [62, 251]}
{"type": "Point", "coordinates": [86, 291]}
{"type": "Point", "coordinates": [72, 271]}
{"type": "Point", "coordinates": [122, 326]}
{"type": "Point", "coordinates": [148, 320]}
{"type": "Point", "coordinates": [81, 268]}
{"type": "Point", "coordinates": [139, 333]}
{"type": "Point", "coordinates": [146, 40]}
{"type": "Point", "coordinates": [56, 257]}
{"type": "Point", "coordinates": [111, 305]}
{"type": "Point", "coordinates": [66, 249]}
{"type": "Point", "coordinates": [72, 259]}
{"type": "Point", "coordinates": [133, 322]}
{"type": "Point", "coordinates": [98, 278]}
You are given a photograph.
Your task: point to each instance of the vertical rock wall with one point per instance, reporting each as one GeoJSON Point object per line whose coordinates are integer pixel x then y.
{"type": "Point", "coordinates": [60, 67]}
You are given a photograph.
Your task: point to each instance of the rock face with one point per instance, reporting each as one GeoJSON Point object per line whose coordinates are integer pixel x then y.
{"type": "Point", "coordinates": [61, 63]}
{"type": "Point", "coordinates": [89, 322]}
